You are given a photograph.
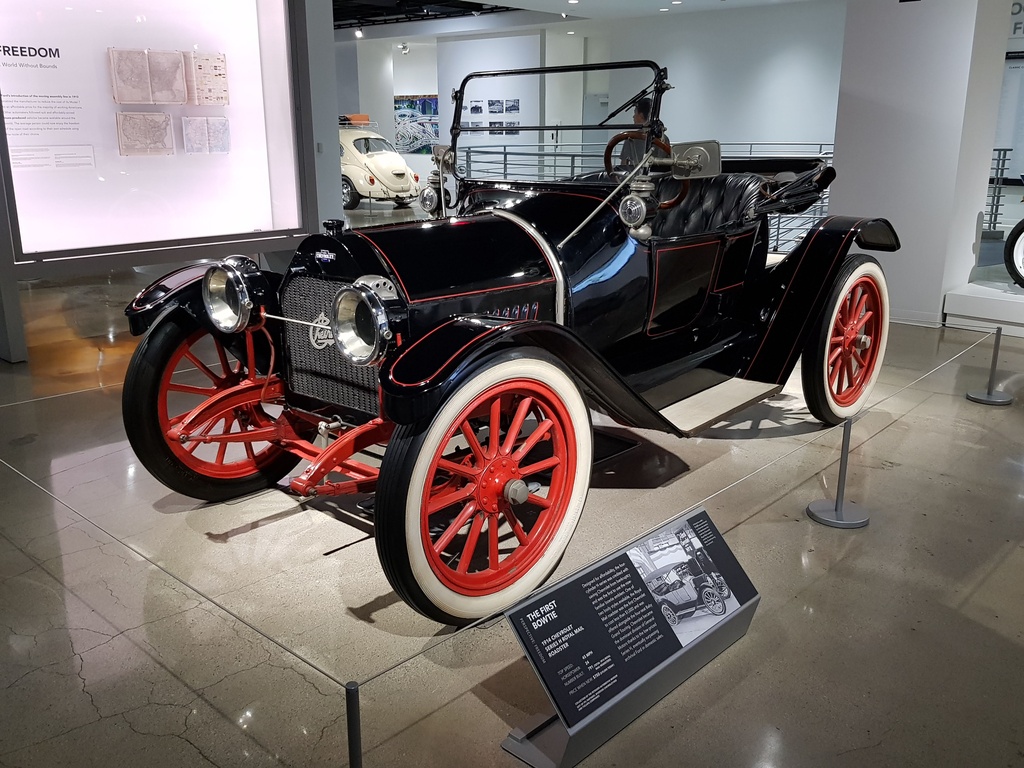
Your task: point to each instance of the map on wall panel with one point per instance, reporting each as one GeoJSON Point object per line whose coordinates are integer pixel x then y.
{"type": "Point", "coordinates": [129, 71]}
{"type": "Point", "coordinates": [206, 76]}
{"type": "Point", "coordinates": [144, 133]}
{"type": "Point", "coordinates": [147, 77]}
{"type": "Point", "coordinates": [206, 135]}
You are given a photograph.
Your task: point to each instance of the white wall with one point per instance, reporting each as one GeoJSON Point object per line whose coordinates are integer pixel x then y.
{"type": "Point", "coordinates": [415, 74]}
{"type": "Point", "coordinates": [769, 73]}
{"type": "Point", "coordinates": [377, 84]}
{"type": "Point", "coordinates": [915, 125]}
{"type": "Point", "coordinates": [563, 101]}
{"type": "Point", "coordinates": [456, 58]}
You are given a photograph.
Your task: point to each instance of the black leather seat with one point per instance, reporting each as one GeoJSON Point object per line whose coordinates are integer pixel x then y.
{"type": "Point", "coordinates": [709, 205]}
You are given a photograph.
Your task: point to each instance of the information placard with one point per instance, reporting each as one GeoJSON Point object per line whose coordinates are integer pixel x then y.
{"type": "Point", "coordinates": [606, 630]}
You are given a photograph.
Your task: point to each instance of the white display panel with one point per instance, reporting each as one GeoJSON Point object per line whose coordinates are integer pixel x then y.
{"type": "Point", "coordinates": [97, 98]}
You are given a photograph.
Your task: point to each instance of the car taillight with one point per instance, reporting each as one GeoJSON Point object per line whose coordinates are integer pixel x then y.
{"type": "Point", "coordinates": [416, 178]}
{"type": "Point", "coordinates": [372, 181]}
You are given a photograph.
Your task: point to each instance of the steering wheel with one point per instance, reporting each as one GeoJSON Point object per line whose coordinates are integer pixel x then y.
{"type": "Point", "coordinates": [660, 144]}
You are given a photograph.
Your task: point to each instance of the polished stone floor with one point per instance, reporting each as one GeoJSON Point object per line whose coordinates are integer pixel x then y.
{"type": "Point", "coordinates": [144, 628]}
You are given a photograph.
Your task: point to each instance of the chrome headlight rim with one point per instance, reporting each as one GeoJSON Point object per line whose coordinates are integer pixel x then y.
{"type": "Point", "coordinates": [349, 328]}
{"type": "Point", "coordinates": [633, 210]}
{"type": "Point", "coordinates": [221, 280]}
{"type": "Point", "coordinates": [428, 199]}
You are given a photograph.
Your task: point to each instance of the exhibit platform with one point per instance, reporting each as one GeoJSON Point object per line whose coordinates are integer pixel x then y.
{"type": "Point", "coordinates": [142, 626]}
{"type": "Point", "coordinates": [987, 303]}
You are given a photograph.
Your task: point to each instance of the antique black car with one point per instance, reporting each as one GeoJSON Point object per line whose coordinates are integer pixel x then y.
{"type": "Point", "coordinates": [474, 346]}
{"type": "Point", "coordinates": [679, 593]}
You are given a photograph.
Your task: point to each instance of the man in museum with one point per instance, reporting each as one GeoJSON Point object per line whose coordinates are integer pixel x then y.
{"type": "Point", "coordinates": [632, 151]}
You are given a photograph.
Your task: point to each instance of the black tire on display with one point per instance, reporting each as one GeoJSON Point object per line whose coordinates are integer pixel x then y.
{"type": "Point", "coordinates": [712, 600]}
{"type": "Point", "coordinates": [349, 196]}
{"type": "Point", "coordinates": [177, 366]}
{"type": "Point", "coordinates": [844, 353]}
{"type": "Point", "coordinates": [475, 509]}
{"type": "Point", "coordinates": [1013, 253]}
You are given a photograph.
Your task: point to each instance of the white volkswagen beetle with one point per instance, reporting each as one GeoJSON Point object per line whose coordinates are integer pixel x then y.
{"type": "Point", "coordinates": [371, 167]}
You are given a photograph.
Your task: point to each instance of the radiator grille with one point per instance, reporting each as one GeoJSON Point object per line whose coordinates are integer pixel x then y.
{"type": "Point", "coordinates": [316, 368]}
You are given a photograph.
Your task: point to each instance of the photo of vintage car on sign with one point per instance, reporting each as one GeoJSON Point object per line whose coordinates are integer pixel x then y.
{"type": "Point", "coordinates": [473, 347]}
{"type": "Point", "coordinates": [679, 593]}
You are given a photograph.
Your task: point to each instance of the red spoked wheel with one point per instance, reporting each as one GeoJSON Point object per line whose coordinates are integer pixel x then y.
{"type": "Point", "coordinates": [197, 419]}
{"type": "Point", "coordinates": [841, 364]}
{"type": "Point", "coordinates": [475, 511]}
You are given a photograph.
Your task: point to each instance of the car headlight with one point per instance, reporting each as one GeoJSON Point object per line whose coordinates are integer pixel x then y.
{"type": "Point", "coordinates": [360, 324]}
{"type": "Point", "coordinates": [634, 210]}
{"type": "Point", "coordinates": [228, 293]}
{"type": "Point", "coordinates": [428, 199]}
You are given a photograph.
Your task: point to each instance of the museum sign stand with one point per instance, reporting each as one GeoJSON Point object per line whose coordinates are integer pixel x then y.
{"type": "Point", "coordinates": [610, 641]}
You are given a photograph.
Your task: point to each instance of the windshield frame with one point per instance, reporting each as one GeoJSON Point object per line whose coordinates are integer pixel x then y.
{"type": "Point", "coordinates": [657, 87]}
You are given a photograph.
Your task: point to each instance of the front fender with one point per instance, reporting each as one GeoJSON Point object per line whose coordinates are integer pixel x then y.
{"type": "Point", "coordinates": [181, 288]}
{"type": "Point", "coordinates": [420, 378]}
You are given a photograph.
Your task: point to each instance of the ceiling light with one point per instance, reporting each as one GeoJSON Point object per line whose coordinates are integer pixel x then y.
{"type": "Point", "coordinates": [359, 33]}
{"type": "Point", "coordinates": [677, 2]}
{"type": "Point", "coordinates": [573, 2]}
{"type": "Point", "coordinates": [663, 10]}
{"type": "Point", "coordinates": [570, 32]}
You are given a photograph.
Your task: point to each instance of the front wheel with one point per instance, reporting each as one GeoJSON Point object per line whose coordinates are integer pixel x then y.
{"type": "Point", "coordinates": [1013, 253]}
{"type": "Point", "coordinates": [723, 588]}
{"type": "Point", "coordinates": [844, 354]}
{"type": "Point", "coordinates": [350, 197]}
{"type": "Point", "coordinates": [178, 366]}
{"type": "Point", "coordinates": [474, 511]}
{"type": "Point", "coordinates": [712, 600]}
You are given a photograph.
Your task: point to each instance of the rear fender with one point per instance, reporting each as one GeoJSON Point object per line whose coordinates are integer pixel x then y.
{"type": "Point", "coordinates": [421, 377]}
{"type": "Point", "coordinates": [799, 287]}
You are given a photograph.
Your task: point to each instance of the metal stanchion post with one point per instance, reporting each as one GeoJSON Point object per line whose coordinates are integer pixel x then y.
{"type": "Point", "coordinates": [355, 737]}
{"type": "Point", "coordinates": [840, 513]}
{"type": "Point", "coordinates": [989, 396]}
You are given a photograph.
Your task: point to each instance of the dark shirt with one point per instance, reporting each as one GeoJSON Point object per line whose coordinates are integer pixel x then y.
{"type": "Point", "coordinates": [632, 152]}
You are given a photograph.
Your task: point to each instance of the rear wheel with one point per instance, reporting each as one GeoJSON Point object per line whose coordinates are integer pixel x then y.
{"type": "Point", "coordinates": [670, 614]}
{"type": "Point", "coordinates": [844, 354]}
{"type": "Point", "coordinates": [178, 366]}
{"type": "Point", "coordinates": [474, 511]}
{"type": "Point", "coordinates": [1013, 253]}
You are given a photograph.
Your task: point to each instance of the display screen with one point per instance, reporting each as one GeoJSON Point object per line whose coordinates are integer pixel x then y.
{"type": "Point", "coordinates": [131, 122]}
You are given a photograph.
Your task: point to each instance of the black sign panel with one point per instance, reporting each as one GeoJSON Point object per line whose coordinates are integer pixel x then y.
{"type": "Point", "coordinates": [603, 630]}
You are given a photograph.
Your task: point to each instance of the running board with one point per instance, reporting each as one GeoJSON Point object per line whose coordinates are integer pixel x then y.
{"type": "Point", "coordinates": [700, 411]}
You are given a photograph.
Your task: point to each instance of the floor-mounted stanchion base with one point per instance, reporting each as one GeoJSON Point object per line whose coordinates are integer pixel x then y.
{"type": "Point", "coordinates": [824, 511]}
{"type": "Point", "coordinates": [989, 398]}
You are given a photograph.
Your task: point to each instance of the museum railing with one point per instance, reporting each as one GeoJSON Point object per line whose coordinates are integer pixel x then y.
{"type": "Point", "coordinates": [996, 189]}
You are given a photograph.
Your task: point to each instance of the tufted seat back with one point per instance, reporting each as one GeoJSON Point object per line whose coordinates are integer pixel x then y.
{"type": "Point", "coordinates": [709, 204]}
